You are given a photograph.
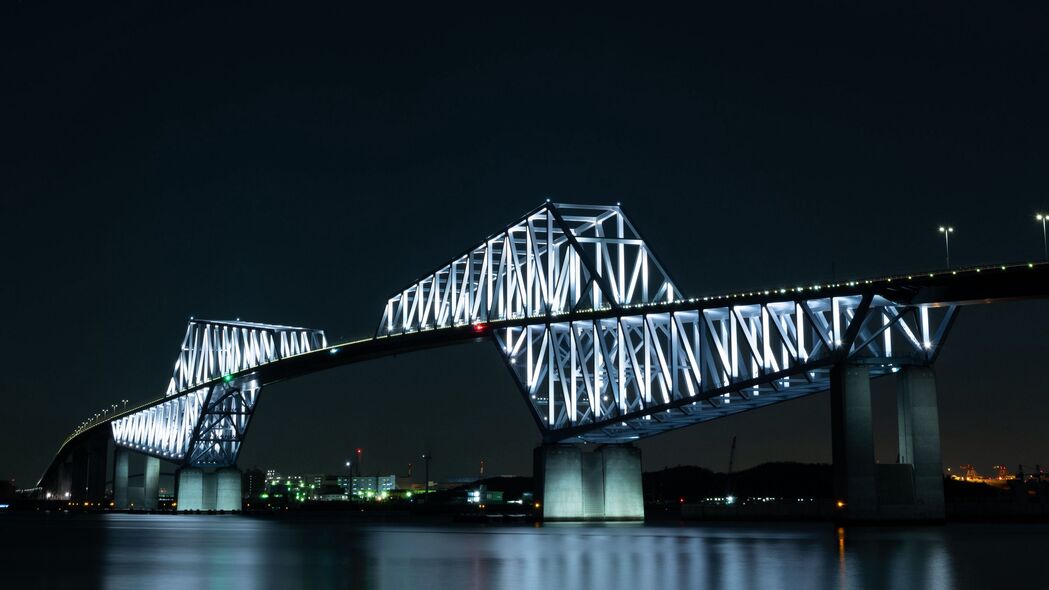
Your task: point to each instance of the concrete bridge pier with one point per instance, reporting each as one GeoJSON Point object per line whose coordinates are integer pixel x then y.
{"type": "Point", "coordinates": [911, 489]}
{"type": "Point", "coordinates": [87, 466]}
{"type": "Point", "coordinates": [855, 486]}
{"type": "Point", "coordinates": [128, 497]}
{"type": "Point", "coordinates": [919, 431]}
{"type": "Point", "coordinates": [202, 490]}
{"type": "Point", "coordinates": [575, 484]}
{"type": "Point", "coordinates": [121, 475]}
{"type": "Point", "coordinates": [151, 483]}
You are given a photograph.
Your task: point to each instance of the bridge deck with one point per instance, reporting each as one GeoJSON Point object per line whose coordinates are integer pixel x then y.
{"type": "Point", "coordinates": [984, 284]}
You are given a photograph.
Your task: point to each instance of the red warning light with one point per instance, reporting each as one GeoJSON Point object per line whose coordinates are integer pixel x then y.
{"type": "Point", "coordinates": [480, 328]}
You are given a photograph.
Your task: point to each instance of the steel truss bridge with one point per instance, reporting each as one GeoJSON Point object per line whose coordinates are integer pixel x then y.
{"type": "Point", "coordinates": [602, 344]}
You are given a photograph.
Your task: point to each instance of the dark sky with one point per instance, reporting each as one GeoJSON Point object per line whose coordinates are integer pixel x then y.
{"type": "Point", "coordinates": [298, 165]}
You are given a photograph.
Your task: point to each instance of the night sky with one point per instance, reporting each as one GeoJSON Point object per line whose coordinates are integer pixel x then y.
{"type": "Point", "coordinates": [298, 165]}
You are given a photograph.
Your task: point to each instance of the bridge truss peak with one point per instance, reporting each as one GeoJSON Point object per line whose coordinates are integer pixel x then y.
{"type": "Point", "coordinates": [213, 349]}
{"type": "Point", "coordinates": [557, 259]}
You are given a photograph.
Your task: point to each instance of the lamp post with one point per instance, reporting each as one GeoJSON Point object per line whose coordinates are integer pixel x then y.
{"type": "Point", "coordinates": [947, 230]}
{"type": "Point", "coordinates": [426, 474]}
{"type": "Point", "coordinates": [1045, 245]}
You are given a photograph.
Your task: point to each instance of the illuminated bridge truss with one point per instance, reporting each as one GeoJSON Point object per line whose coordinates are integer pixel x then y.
{"type": "Point", "coordinates": [557, 260]}
{"type": "Point", "coordinates": [204, 427]}
{"type": "Point", "coordinates": [212, 349]}
{"type": "Point", "coordinates": [624, 376]}
{"type": "Point", "coordinates": [604, 348]}
{"type": "Point", "coordinates": [597, 336]}
{"type": "Point", "coordinates": [204, 421]}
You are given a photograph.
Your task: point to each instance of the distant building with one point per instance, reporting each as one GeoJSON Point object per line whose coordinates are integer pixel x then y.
{"type": "Point", "coordinates": [325, 487]}
{"type": "Point", "coordinates": [373, 485]}
{"type": "Point", "coordinates": [482, 495]}
{"type": "Point", "coordinates": [345, 482]}
{"type": "Point", "coordinates": [329, 492]}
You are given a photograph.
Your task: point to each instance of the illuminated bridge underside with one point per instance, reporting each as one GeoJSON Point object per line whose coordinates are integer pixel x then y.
{"type": "Point", "coordinates": [629, 376]}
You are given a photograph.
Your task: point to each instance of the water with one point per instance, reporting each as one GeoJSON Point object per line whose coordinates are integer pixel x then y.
{"type": "Point", "coordinates": [183, 551]}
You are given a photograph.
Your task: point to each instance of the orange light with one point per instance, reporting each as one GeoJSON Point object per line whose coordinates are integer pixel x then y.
{"type": "Point", "coordinates": [841, 504]}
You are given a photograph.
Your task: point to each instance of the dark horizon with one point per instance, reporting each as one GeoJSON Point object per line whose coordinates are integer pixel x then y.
{"type": "Point", "coordinates": [299, 167]}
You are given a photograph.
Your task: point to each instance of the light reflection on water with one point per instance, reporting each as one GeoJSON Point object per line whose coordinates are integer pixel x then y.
{"type": "Point", "coordinates": [133, 551]}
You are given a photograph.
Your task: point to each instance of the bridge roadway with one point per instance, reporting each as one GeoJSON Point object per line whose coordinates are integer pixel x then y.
{"type": "Point", "coordinates": [975, 285]}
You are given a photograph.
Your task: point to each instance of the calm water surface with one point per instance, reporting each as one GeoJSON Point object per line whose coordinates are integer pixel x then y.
{"type": "Point", "coordinates": [130, 551]}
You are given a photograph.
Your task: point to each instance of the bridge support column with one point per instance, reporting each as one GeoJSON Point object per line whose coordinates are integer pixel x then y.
{"type": "Point", "coordinates": [578, 485]}
{"type": "Point", "coordinates": [89, 464]}
{"type": "Point", "coordinates": [121, 471]}
{"type": "Point", "coordinates": [624, 499]}
{"type": "Point", "coordinates": [190, 489]}
{"type": "Point", "coordinates": [151, 483]}
{"type": "Point", "coordinates": [227, 489]}
{"type": "Point", "coordinates": [853, 442]}
{"type": "Point", "coordinates": [919, 431]}
{"type": "Point", "coordinates": [911, 489]}
{"type": "Point", "coordinates": [64, 490]}
{"type": "Point", "coordinates": [199, 490]}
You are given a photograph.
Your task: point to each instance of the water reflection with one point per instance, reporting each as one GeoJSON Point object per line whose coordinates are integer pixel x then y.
{"type": "Point", "coordinates": [130, 551]}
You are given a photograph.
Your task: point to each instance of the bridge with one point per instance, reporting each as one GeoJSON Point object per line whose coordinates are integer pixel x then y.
{"type": "Point", "coordinates": [605, 350]}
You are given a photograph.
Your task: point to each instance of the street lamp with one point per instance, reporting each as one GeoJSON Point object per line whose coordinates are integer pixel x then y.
{"type": "Point", "coordinates": [1045, 245]}
{"type": "Point", "coordinates": [947, 230]}
{"type": "Point", "coordinates": [426, 473]}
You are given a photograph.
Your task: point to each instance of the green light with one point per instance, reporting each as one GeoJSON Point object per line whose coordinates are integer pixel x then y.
{"type": "Point", "coordinates": [264, 496]}
{"type": "Point", "coordinates": [228, 378]}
